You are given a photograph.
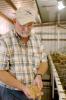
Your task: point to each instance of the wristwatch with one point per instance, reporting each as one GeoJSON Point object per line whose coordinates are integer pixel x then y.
{"type": "Point", "coordinates": [38, 74]}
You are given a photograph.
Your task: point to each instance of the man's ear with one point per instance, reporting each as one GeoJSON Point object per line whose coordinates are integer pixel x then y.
{"type": "Point", "coordinates": [14, 20]}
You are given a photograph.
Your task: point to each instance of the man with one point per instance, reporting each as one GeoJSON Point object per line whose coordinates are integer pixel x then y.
{"type": "Point", "coordinates": [22, 59]}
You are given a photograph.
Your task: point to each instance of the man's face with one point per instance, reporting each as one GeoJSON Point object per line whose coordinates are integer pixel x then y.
{"type": "Point", "coordinates": [23, 30]}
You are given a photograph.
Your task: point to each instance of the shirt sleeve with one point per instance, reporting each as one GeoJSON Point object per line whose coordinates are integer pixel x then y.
{"type": "Point", "coordinates": [4, 59]}
{"type": "Point", "coordinates": [43, 57]}
{"type": "Point", "coordinates": [42, 51]}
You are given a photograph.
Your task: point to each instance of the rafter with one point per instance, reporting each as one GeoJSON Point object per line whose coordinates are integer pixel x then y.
{"type": "Point", "coordinates": [4, 16]}
{"type": "Point", "coordinates": [11, 3]}
{"type": "Point", "coordinates": [38, 10]}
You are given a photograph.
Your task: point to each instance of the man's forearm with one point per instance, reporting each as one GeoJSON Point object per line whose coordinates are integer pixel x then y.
{"type": "Point", "coordinates": [42, 68]}
{"type": "Point", "coordinates": [8, 79]}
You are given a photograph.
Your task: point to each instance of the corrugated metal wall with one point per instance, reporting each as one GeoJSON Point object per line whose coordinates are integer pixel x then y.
{"type": "Point", "coordinates": [53, 37]}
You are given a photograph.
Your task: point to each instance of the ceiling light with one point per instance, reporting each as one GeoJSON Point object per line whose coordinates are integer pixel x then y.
{"type": "Point", "coordinates": [60, 5]}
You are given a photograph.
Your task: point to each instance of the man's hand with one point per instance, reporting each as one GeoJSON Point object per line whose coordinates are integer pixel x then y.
{"type": "Point", "coordinates": [38, 81]}
{"type": "Point", "coordinates": [27, 92]}
{"type": "Point", "coordinates": [32, 91]}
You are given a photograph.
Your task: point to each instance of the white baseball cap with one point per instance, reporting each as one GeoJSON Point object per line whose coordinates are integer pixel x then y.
{"type": "Point", "coordinates": [25, 15]}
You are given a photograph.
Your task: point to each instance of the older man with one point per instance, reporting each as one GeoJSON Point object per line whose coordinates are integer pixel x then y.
{"type": "Point", "coordinates": [22, 59]}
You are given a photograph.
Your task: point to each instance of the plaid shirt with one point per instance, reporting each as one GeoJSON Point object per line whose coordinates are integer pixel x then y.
{"type": "Point", "coordinates": [19, 59]}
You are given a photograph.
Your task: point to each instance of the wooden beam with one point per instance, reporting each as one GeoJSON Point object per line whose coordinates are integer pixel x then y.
{"type": "Point", "coordinates": [49, 5]}
{"type": "Point", "coordinates": [64, 27]}
{"type": "Point", "coordinates": [11, 3]}
{"type": "Point", "coordinates": [38, 10]}
{"type": "Point", "coordinates": [49, 24]}
{"type": "Point", "coordinates": [4, 16]}
{"type": "Point", "coordinates": [53, 39]}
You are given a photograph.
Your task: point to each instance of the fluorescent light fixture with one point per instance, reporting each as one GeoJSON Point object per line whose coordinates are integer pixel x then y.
{"type": "Point", "coordinates": [60, 5]}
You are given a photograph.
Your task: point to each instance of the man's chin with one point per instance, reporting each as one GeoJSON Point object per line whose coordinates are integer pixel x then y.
{"type": "Point", "coordinates": [25, 36]}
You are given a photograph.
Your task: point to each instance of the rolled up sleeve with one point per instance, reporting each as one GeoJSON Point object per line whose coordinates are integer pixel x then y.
{"type": "Point", "coordinates": [43, 57]}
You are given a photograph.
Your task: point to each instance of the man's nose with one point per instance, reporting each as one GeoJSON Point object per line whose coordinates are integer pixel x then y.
{"type": "Point", "coordinates": [24, 28]}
